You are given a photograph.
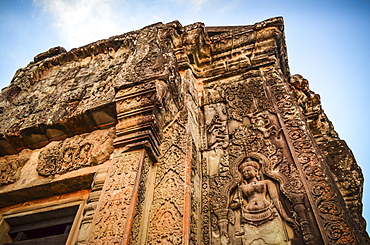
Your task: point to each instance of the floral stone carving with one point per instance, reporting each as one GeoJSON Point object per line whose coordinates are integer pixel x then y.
{"type": "Point", "coordinates": [10, 167]}
{"type": "Point", "coordinates": [77, 152]}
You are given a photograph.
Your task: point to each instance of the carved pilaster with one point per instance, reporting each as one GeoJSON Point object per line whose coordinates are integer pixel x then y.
{"type": "Point", "coordinates": [113, 217]}
{"type": "Point", "coordinates": [137, 136]}
{"type": "Point", "coordinates": [170, 213]}
{"type": "Point", "coordinates": [92, 201]}
{"type": "Point", "coordinates": [323, 194]}
{"type": "Point", "coordinates": [142, 112]}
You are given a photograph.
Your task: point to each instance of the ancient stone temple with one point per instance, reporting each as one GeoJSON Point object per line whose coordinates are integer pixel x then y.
{"type": "Point", "coordinates": [174, 135]}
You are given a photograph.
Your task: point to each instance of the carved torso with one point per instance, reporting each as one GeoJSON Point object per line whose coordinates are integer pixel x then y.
{"type": "Point", "coordinates": [258, 207]}
{"type": "Point", "coordinates": [255, 193]}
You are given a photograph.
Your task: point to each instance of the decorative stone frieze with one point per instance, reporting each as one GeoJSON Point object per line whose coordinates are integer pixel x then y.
{"type": "Point", "coordinates": [77, 152]}
{"type": "Point", "coordinates": [10, 167]}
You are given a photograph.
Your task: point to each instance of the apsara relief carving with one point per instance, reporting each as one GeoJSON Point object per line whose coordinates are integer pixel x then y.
{"type": "Point", "coordinates": [259, 215]}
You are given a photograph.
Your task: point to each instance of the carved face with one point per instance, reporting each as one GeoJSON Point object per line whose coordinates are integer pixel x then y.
{"type": "Point", "coordinates": [249, 172]}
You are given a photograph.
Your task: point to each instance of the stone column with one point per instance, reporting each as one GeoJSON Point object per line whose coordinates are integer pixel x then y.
{"type": "Point", "coordinates": [136, 147]}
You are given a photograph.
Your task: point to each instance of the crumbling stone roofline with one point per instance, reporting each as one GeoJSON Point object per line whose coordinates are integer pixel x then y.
{"type": "Point", "coordinates": [50, 58]}
{"type": "Point", "coordinates": [210, 52]}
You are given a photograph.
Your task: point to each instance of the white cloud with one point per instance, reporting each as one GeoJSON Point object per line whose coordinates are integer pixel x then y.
{"type": "Point", "coordinates": [197, 4]}
{"type": "Point", "coordinates": [80, 22]}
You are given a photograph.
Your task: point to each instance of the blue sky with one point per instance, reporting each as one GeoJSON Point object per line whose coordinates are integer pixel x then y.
{"type": "Point", "coordinates": [327, 43]}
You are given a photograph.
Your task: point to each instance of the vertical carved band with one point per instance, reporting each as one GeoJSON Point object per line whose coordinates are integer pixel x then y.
{"type": "Point", "coordinates": [137, 134]}
{"type": "Point", "coordinates": [114, 208]}
{"type": "Point", "coordinates": [90, 208]}
{"type": "Point", "coordinates": [321, 191]}
{"type": "Point", "coordinates": [170, 212]}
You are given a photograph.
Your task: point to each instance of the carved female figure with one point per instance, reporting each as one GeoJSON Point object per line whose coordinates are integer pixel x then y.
{"type": "Point", "coordinates": [262, 213]}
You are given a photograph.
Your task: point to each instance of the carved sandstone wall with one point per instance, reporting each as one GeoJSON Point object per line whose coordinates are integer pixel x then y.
{"type": "Point", "coordinates": [180, 135]}
{"type": "Point", "coordinates": [342, 163]}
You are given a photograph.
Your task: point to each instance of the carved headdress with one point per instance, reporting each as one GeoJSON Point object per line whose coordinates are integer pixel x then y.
{"type": "Point", "coordinates": [249, 162]}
